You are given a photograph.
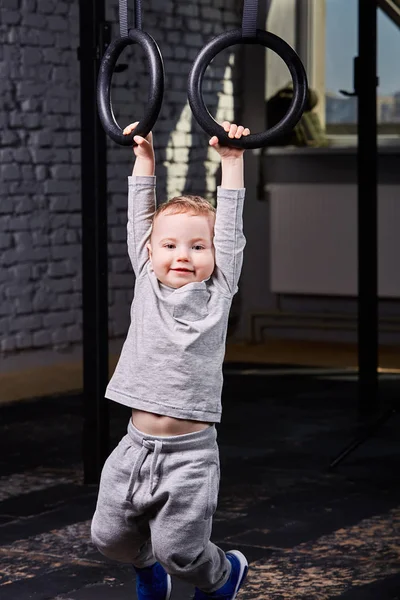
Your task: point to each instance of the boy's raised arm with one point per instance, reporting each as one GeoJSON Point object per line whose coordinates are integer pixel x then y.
{"type": "Point", "coordinates": [229, 241]}
{"type": "Point", "coordinates": [141, 200]}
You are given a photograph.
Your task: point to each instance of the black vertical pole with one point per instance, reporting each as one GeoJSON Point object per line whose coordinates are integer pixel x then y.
{"type": "Point", "coordinates": [366, 83]}
{"type": "Point", "coordinates": [94, 244]}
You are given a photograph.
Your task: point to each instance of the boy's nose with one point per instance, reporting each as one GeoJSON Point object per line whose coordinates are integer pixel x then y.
{"type": "Point", "coordinates": [183, 255]}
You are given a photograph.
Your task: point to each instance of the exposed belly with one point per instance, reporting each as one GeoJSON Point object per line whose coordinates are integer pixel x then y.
{"type": "Point", "coordinates": [162, 425]}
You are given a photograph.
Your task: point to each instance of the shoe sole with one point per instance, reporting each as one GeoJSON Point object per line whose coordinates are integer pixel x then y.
{"type": "Point", "coordinates": [244, 567]}
{"type": "Point", "coordinates": [169, 588]}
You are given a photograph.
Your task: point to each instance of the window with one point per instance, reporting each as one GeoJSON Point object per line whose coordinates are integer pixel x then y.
{"type": "Point", "coordinates": [341, 45]}
{"type": "Point", "coordinates": [325, 35]}
{"type": "Point", "coordinates": [328, 42]}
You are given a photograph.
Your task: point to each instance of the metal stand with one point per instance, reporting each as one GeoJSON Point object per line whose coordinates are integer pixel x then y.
{"type": "Point", "coordinates": [365, 83]}
{"type": "Point", "coordinates": [93, 39]}
{"type": "Point", "coordinates": [368, 432]}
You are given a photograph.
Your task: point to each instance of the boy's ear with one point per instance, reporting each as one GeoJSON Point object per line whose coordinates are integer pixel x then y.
{"type": "Point", "coordinates": [148, 246]}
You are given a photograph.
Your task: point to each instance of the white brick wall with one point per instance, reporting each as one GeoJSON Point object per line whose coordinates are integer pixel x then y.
{"type": "Point", "coordinates": [40, 220]}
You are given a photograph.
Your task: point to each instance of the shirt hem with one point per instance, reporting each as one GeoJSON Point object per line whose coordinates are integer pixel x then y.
{"type": "Point", "coordinates": [162, 409]}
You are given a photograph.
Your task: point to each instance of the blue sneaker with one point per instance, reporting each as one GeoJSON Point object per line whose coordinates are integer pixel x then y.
{"type": "Point", "coordinates": [153, 583]}
{"type": "Point", "coordinates": [236, 578]}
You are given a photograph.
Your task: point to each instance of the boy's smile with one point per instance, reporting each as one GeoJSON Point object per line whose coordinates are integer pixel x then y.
{"type": "Point", "coordinates": [183, 270]}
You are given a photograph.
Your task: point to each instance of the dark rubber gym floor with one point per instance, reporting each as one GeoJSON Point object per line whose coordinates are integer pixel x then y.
{"type": "Point", "coordinates": [309, 533]}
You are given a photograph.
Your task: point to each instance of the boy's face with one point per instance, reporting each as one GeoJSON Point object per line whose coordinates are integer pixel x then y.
{"type": "Point", "coordinates": [181, 248]}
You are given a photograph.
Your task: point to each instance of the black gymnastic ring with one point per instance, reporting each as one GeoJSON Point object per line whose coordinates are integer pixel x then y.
{"type": "Point", "coordinates": [276, 44]}
{"type": "Point", "coordinates": [107, 66]}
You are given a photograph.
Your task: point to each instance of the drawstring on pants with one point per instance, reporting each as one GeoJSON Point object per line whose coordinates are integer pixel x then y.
{"type": "Point", "coordinates": [148, 445]}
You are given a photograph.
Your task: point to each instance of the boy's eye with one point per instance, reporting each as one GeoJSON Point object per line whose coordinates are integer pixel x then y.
{"type": "Point", "coordinates": [197, 247]}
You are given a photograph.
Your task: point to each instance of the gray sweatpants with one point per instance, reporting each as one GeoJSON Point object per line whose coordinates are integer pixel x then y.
{"type": "Point", "coordinates": [156, 501]}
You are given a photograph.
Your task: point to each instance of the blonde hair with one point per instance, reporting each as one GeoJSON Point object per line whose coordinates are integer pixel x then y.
{"type": "Point", "coordinates": [182, 204]}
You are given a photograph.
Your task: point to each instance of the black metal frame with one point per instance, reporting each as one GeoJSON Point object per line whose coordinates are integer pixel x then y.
{"type": "Point", "coordinates": [365, 84]}
{"type": "Point", "coordinates": [94, 37]}
{"type": "Point", "coordinates": [365, 87]}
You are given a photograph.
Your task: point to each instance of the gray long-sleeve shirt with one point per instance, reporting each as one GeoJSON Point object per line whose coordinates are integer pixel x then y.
{"type": "Point", "coordinates": [171, 361]}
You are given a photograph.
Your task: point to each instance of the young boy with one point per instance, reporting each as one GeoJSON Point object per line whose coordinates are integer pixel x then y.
{"type": "Point", "coordinates": [159, 487]}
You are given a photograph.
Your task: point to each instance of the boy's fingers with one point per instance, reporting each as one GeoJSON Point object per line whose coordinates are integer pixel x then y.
{"type": "Point", "coordinates": [239, 132]}
{"type": "Point", "coordinates": [232, 130]}
{"type": "Point", "coordinates": [214, 140]}
{"type": "Point", "coordinates": [226, 125]}
{"type": "Point", "coordinates": [139, 140]}
{"type": "Point", "coordinates": [246, 131]}
{"type": "Point", "coordinates": [129, 128]}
